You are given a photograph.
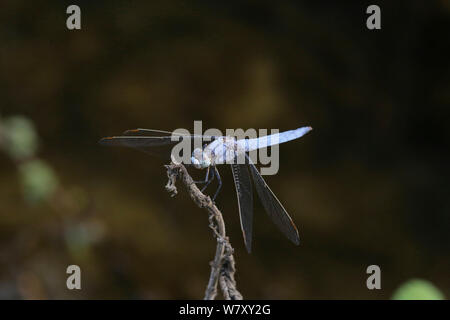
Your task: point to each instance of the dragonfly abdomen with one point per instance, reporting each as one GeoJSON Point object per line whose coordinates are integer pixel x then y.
{"type": "Point", "coordinates": [273, 139]}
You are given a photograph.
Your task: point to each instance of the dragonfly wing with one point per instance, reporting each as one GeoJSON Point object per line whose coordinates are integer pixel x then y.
{"type": "Point", "coordinates": [150, 132]}
{"type": "Point", "coordinates": [163, 134]}
{"type": "Point", "coordinates": [156, 146]}
{"type": "Point", "coordinates": [244, 193]}
{"type": "Point", "coordinates": [273, 207]}
{"type": "Point", "coordinates": [138, 141]}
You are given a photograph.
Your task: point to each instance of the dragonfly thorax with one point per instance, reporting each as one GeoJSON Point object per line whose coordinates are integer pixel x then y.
{"type": "Point", "coordinates": [200, 159]}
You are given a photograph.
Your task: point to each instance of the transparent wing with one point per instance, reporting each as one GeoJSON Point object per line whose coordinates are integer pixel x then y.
{"type": "Point", "coordinates": [163, 133]}
{"type": "Point", "coordinates": [244, 193]}
{"type": "Point", "coordinates": [138, 141]}
{"type": "Point", "coordinates": [151, 132]}
{"type": "Point", "coordinates": [157, 146]}
{"type": "Point", "coordinates": [273, 207]}
{"type": "Point", "coordinates": [154, 145]}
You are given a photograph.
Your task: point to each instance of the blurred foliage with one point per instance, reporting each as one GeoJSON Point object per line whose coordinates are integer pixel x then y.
{"type": "Point", "coordinates": [38, 180]}
{"type": "Point", "coordinates": [368, 186]}
{"type": "Point", "coordinates": [20, 137]}
{"type": "Point", "coordinates": [417, 289]}
{"type": "Point", "coordinates": [19, 141]}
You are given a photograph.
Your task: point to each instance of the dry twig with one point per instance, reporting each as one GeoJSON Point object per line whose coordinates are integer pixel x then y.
{"type": "Point", "coordinates": [222, 267]}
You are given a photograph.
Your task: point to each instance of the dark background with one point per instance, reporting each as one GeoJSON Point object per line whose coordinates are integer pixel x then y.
{"type": "Point", "coordinates": [369, 185]}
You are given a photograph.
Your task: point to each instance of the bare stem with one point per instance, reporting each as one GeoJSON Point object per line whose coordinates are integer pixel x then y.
{"type": "Point", "coordinates": [222, 267]}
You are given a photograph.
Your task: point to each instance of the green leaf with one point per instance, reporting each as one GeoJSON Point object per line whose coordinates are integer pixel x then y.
{"type": "Point", "coordinates": [417, 289]}
{"type": "Point", "coordinates": [21, 141]}
{"type": "Point", "coordinates": [38, 180]}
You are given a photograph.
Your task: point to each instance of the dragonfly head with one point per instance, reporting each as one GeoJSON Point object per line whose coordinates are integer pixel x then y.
{"type": "Point", "coordinates": [200, 159]}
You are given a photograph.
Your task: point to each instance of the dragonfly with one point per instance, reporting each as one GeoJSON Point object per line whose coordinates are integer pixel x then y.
{"type": "Point", "coordinates": [223, 150]}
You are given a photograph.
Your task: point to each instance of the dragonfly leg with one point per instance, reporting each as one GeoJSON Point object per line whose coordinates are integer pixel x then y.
{"type": "Point", "coordinates": [216, 172]}
{"type": "Point", "coordinates": [208, 182]}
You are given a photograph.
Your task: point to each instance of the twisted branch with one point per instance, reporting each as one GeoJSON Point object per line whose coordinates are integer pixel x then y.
{"type": "Point", "coordinates": [222, 267]}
